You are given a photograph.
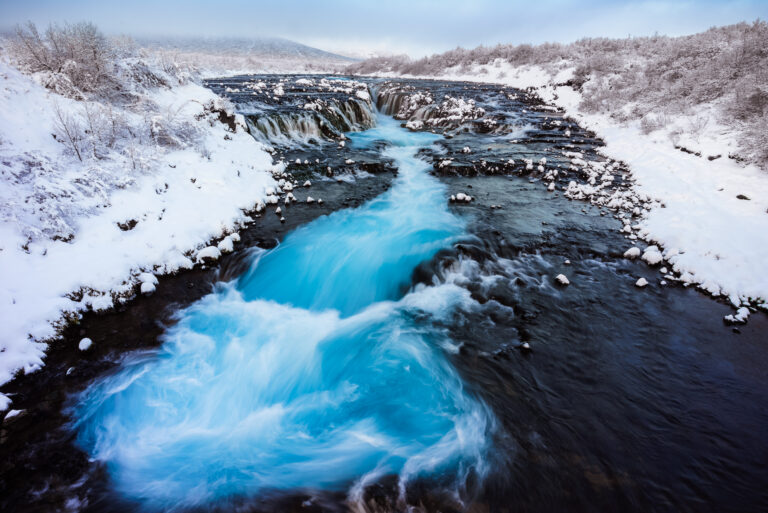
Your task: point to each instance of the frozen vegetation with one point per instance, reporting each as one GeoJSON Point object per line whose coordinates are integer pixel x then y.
{"type": "Point", "coordinates": [107, 154]}
{"type": "Point", "coordinates": [687, 114]}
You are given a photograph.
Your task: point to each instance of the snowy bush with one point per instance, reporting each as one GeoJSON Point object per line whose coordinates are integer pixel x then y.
{"type": "Point", "coordinates": [170, 128]}
{"type": "Point", "coordinates": [75, 57]}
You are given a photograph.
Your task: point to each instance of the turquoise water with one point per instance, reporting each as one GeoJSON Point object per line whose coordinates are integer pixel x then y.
{"type": "Point", "coordinates": [316, 369]}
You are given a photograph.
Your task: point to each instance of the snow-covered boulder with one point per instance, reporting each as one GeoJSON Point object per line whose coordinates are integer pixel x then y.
{"type": "Point", "coordinates": [561, 279]}
{"type": "Point", "coordinates": [652, 255]}
{"type": "Point", "coordinates": [226, 245]}
{"type": "Point", "coordinates": [148, 283]}
{"type": "Point", "coordinates": [147, 287]}
{"type": "Point", "coordinates": [640, 283]}
{"type": "Point", "coordinates": [632, 253]}
{"type": "Point", "coordinates": [85, 344]}
{"type": "Point", "coordinates": [740, 317]}
{"type": "Point", "coordinates": [208, 253]}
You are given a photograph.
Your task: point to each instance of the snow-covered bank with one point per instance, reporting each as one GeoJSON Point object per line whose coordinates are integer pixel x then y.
{"type": "Point", "coordinates": [78, 234]}
{"type": "Point", "coordinates": [710, 216]}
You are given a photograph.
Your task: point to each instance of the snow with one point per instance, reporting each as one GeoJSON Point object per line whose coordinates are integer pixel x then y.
{"type": "Point", "coordinates": [11, 414]}
{"type": "Point", "coordinates": [633, 252]}
{"type": "Point", "coordinates": [652, 255]}
{"type": "Point", "coordinates": [641, 282]}
{"type": "Point", "coordinates": [226, 245]}
{"type": "Point", "coordinates": [147, 287]}
{"type": "Point", "coordinates": [210, 252]}
{"type": "Point", "coordinates": [562, 279]}
{"type": "Point", "coordinates": [740, 317]}
{"type": "Point", "coordinates": [85, 344]}
{"type": "Point", "coordinates": [177, 199]}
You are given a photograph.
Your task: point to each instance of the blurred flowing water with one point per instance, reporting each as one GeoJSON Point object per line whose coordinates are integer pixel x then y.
{"type": "Point", "coordinates": [373, 361]}
{"type": "Point", "coordinates": [309, 371]}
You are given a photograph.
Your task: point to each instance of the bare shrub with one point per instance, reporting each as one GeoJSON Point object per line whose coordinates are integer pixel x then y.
{"type": "Point", "coordinates": [651, 122]}
{"type": "Point", "coordinates": [170, 128]}
{"type": "Point", "coordinates": [105, 127]}
{"type": "Point", "coordinates": [69, 129]}
{"type": "Point", "coordinates": [79, 53]}
{"type": "Point", "coordinates": [697, 125]}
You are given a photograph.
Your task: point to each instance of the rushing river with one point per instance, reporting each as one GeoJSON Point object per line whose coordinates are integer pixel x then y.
{"type": "Point", "coordinates": [310, 371]}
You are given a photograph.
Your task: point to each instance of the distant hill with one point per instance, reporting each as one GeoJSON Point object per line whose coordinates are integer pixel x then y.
{"type": "Point", "coordinates": [271, 48]}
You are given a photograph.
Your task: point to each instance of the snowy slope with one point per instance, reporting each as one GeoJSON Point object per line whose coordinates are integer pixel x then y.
{"type": "Point", "coordinates": [179, 197]}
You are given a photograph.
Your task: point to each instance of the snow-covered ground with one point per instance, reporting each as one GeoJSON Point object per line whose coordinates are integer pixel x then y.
{"type": "Point", "coordinates": [81, 235]}
{"type": "Point", "coordinates": [708, 231]}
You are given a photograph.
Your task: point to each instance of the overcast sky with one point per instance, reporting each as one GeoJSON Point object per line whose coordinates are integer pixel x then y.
{"type": "Point", "coordinates": [416, 27]}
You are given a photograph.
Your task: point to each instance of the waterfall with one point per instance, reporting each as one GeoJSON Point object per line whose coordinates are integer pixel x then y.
{"type": "Point", "coordinates": [312, 124]}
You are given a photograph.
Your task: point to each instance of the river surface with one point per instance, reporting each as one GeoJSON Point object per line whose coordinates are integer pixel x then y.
{"type": "Point", "coordinates": [407, 353]}
{"type": "Point", "coordinates": [309, 371]}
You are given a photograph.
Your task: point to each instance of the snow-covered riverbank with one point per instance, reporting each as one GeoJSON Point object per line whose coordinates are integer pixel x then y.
{"type": "Point", "coordinates": [78, 235]}
{"type": "Point", "coordinates": [711, 213]}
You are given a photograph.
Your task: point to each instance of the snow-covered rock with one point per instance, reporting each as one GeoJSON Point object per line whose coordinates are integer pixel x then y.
{"type": "Point", "coordinates": [208, 253]}
{"type": "Point", "coordinates": [85, 344]}
{"type": "Point", "coordinates": [632, 253]}
{"type": "Point", "coordinates": [147, 287]}
{"type": "Point", "coordinates": [641, 282]}
{"type": "Point", "coordinates": [561, 279]}
{"type": "Point", "coordinates": [226, 245]}
{"type": "Point", "coordinates": [652, 255]}
{"type": "Point", "coordinates": [740, 317]}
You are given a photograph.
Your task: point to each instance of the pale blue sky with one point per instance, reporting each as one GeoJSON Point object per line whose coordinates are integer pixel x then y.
{"type": "Point", "coordinates": [392, 26]}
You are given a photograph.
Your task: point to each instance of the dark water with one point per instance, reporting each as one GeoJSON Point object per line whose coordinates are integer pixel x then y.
{"type": "Point", "coordinates": [629, 400]}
